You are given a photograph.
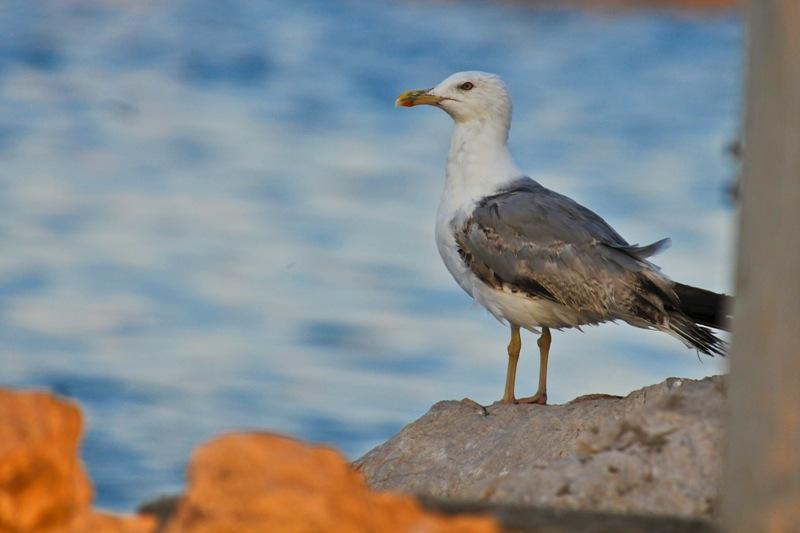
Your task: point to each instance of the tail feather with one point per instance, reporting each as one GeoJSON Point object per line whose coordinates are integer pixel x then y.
{"type": "Point", "coordinates": [699, 310]}
{"type": "Point", "coordinates": [696, 336]}
{"type": "Point", "coordinates": [704, 307]}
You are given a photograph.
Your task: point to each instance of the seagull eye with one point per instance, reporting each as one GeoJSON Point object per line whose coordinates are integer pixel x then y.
{"type": "Point", "coordinates": [466, 86]}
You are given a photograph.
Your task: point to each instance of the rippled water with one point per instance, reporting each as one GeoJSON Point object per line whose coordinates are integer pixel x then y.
{"type": "Point", "coordinates": [213, 217]}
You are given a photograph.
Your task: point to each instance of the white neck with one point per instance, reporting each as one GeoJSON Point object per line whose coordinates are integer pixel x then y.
{"type": "Point", "coordinates": [479, 162]}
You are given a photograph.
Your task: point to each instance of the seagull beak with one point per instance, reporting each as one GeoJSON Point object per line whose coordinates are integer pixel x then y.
{"type": "Point", "coordinates": [417, 97]}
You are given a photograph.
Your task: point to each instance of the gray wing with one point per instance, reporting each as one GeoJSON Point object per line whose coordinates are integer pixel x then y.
{"type": "Point", "coordinates": [531, 239]}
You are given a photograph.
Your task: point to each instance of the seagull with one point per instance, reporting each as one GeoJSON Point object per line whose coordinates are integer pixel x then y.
{"type": "Point", "coordinates": [536, 259]}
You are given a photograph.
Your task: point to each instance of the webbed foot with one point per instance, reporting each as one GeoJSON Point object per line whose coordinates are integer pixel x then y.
{"type": "Point", "coordinates": [538, 398]}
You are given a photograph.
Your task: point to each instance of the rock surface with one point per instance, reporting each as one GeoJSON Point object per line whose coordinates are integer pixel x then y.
{"type": "Point", "coordinates": [658, 450]}
{"type": "Point", "coordinates": [43, 485]}
{"type": "Point", "coordinates": [263, 482]}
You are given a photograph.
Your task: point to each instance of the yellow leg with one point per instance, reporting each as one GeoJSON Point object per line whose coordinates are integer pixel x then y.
{"type": "Point", "coordinates": [544, 351]}
{"type": "Point", "coordinates": [514, 347]}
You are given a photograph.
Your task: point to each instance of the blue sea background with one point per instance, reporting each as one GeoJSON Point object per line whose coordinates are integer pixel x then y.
{"type": "Point", "coordinates": [212, 217]}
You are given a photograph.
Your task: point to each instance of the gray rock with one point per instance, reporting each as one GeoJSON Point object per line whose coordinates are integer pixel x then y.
{"type": "Point", "coordinates": [658, 450]}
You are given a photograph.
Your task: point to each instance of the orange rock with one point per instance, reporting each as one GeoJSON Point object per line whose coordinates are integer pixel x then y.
{"type": "Point", "coordinates": [42, 482]}
{"type": "Point", "coordinates": [43, 485]}
{"type": "Point", "coordinates": [261, 482]}
{"type": "Point", "coordinates": [95, 522]}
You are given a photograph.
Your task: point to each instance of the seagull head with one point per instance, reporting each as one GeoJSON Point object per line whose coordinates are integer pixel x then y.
{"type": "Point", "coordinates": [465, 96]}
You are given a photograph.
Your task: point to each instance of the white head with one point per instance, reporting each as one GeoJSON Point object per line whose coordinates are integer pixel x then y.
{"type": "Point", "coordinates": [467, 97]}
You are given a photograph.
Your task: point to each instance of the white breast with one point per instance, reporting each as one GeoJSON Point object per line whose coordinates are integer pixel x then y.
{"type": "Point", "coordinates": [447, 217]}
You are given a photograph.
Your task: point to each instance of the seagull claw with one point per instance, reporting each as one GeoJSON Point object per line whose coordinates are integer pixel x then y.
{"type": "Point", "coordinates": [538, 398]}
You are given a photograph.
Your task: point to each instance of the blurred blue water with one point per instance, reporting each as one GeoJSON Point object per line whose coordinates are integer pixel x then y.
{"type": "Point", "coordinates": [213, 218]}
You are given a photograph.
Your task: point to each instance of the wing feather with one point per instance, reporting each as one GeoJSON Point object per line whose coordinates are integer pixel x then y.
{"type": "Point", "coordinates": [528, 238]}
